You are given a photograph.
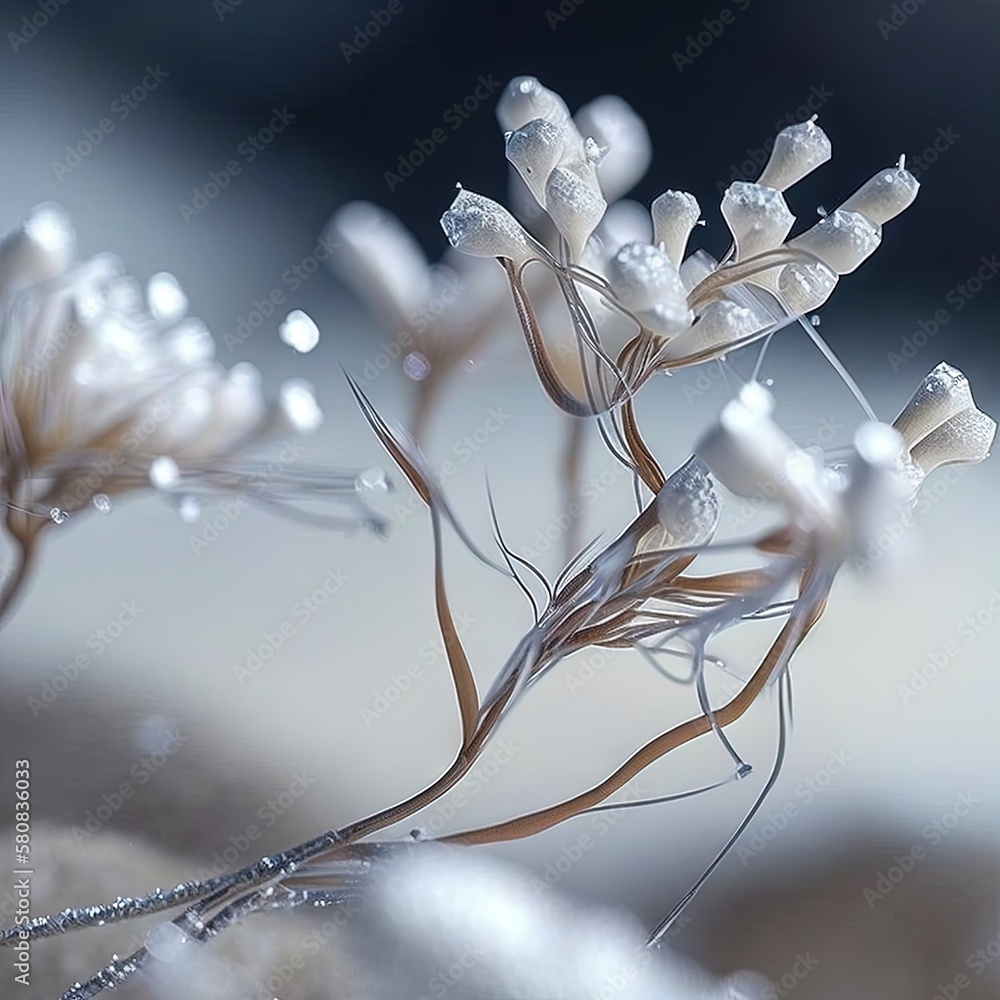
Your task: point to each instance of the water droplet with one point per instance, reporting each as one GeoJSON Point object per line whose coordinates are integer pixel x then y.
{"type": "Point", "coordinates": [300, 407]}
{"type": "Point", "coordinates": [299, 331]}
{"type": "Point", "coordinates": [57, 515]}
{"type": "Point", "coordinates": [814, 319]}
{"type": "Point", "coordinates": [163, 473]}
{"type": "Point", "coordinates": [103, 503]}
{"type": "Point", "coordinates": [372, 482]}
{"type": "Point", "coordinates": [469, 365]}
{"type": "Point", "coordinates": [416, 366]}
{"type": "Point", "coordinates": [189, 509]}
{"type": "Point", "coordinates": [768, 382]}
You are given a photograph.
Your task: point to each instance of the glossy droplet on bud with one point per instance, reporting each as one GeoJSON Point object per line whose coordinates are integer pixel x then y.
{"type": "Point", "coordinates": [675, 214]}
{"type": "Point", "coordinates": [102, 503]}
{"type": "Point", "coordinates": [481, 227]}
{"type": "Point", "coordinates": [885, 195]}
{"type": "Point", "coordinates": [842, 241]}
{"type": "Point", "coordinates": [798, 150]}
{"type": "Point", "coordinates": [299, 331]}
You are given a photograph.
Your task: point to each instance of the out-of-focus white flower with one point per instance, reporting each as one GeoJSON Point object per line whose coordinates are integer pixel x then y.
{"type": "Point", "coordinates": [104, 393]}
{"type": "Point", "coordinates": [441, 910]}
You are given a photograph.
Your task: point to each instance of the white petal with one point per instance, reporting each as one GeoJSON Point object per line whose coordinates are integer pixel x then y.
{"type": "Point", "coordinates": [534, 150]}
{"type": "Point", "coordinates": [615, 126]}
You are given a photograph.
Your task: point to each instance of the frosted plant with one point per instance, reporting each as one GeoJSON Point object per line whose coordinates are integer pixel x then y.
{"type": "Point", "coordinates": [103, 394]}
{"type": "Point", "coordinates": [446, 315]}
{"type": "Point", "coordinates": [647, 589]}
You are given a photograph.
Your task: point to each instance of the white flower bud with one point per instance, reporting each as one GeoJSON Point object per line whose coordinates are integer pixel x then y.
{"type": "Point", "coordinates": [376, 253]}
{"type": "Point", "coordinates": [482, 227]}
{"type": "Point", "coordinates": [751, 456]}
{"type": "Point", "coordinates": [876, 483]}
{"type": "Point", "coordinates": [842, 240]}
{"type": "Point", "coordinates": [575, 204]}
{"type": "Point", "coordinates": [805, 287]}
{"type": "Point", "coordinates": [534, 150]}
{"type": "Point", "coordinates": [167, 301]}
{"type": "Point", "coordinates": [675, 214]}
{"type": "Point", "coordinates": [885, 195]}
{"type": "Point", "coordinates": [965, 438]}
{"type": "Point", "coordinates": [688, 505]}
{"type": "Point", "coordinates": [615, 126]}
{"type": "Point", "coordinates": [722, 323]}
{"type": "Point", "coordinates": [798, 150]}
{"type": "Point", "coordinates": [524, 99]}
{"type": "Point", "coordinates": [944, 392]}
{"type": "Point", "coordinates": [42, 247]}
{"type": "Point", "coordinates": [642, 275]}
{"type": "Point", "coordinates": [757, 216]}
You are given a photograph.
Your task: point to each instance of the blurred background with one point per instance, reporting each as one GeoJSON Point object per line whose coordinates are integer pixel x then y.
{"type": "Point", "coordinates": [895, 739]}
